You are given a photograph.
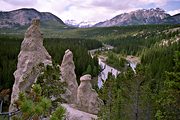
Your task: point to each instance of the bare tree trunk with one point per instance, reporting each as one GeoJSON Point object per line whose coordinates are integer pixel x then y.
{"type": "Point", "coordinates": [109, 103]}
{"type": "Point", "coordinates": [148, 111]}
{"type": "Point", "coordinates": [137, 105]}
{"type": "Point", "coordinates": [137, 109]}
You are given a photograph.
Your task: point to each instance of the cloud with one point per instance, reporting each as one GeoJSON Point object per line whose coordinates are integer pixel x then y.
{"type": "Point", "coordinates": [82, 13]}
{"type": "Point", "coordinates": [85, 10]}
{"type": "Point", "coordinates": [157, 2]}
{"type": "Point", "coordinates": [21, 2]}
{"type": "Point", "coordinates": [113, 4]}
{"type": "Point", "coordinates": [126, 4]}
{"type": "Point", "coordinates": [173, 12]}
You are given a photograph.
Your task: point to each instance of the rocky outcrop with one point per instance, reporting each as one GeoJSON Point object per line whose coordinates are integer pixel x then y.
{"type": "Point", "coordinates": [31, 58]}
{"type": "Point", "coordinates": [69, 76]}
{"type": "Point", "coordinates": [87, 97]}
{"type": "Point", "coordinates": [75, 114]}
{"type": "Point", "coordinates": [82, 102]}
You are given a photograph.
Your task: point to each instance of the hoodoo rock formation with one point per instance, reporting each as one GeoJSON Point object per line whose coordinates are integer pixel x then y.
{"type": "Point", "coordinates": [87, 97]}
{"type": "Point", "coordinates": [69, 76]}
{"type": "Point", "coordinates": [30, 59]}
{"type": "Point", "coordinates": [82, 103]}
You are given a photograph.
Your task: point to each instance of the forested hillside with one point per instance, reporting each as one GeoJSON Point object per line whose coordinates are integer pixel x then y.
{"type": "Point", "coordinates": [153, 93]}
{"type": "Point", "coordinates": [10, 47]}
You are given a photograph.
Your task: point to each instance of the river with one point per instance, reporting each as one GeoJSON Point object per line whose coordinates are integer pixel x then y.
{"type": "Point", "coordinates": [103, 75]}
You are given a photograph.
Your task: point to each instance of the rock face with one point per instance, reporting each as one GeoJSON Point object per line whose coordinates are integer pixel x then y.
{"type": "Point", "coordinates": [74, 114]}
{"type": "Point", "coordinates": [87, 98]}
{"type": "Point", "coordinates": [69, 76]}
{"type": "Point", "coordinates": [31, 58]}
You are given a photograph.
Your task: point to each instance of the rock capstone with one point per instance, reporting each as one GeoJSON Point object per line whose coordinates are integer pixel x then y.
{"type": "Point", "coordinates": [31, 58]}
{"type": "Point", "coordinates": [68, 75]}
{"type": "Point", "coordinates": [87, 98]}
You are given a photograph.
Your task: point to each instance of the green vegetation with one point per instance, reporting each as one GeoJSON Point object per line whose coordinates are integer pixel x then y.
{"type": "Point", "coordinates": [142, 96]}
{"type": "Point", "coordinates": [122, 96]}
{"type": "Point", "coordinates": [37, 103]}
{"type": "Point", "coordinates": [10, 47]}
{"type": "Point", "coordinates": [33, 105]}
{"type": "Point", "coordinates": [79, 47]}
{"type": "Point", "coordinates": [59, 114]}
{"type": "Point", "coordinates": [133, 44]}
{"type": "Point", "coordinates": [152, 93]}
{"type": "Point", "coordinates": [113, 33]}
{"type": "Point", "coordinates": [116, 61]}
{"type": "Point", "coordinates": [50, 29]}
{"type": "Point", "coordinates": [51, 84]}
{"type": "Point", "coordinates": [169, 95]}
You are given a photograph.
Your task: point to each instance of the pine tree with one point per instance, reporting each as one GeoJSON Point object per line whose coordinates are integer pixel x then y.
{"type": "Point", "coordinates": [33, 105]}
{"type": "Point", "coordinates": [168, 100]}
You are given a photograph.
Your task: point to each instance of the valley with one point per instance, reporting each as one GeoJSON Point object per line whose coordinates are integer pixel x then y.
{"type": "Point", "coordinates": [131, 72]}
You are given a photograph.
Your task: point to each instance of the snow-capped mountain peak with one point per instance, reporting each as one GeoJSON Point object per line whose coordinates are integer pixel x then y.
{"type": "Point", "coordinates": [83, 24]}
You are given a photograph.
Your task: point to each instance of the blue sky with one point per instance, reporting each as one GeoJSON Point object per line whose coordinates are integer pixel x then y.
{"type": "Point", "coordinates": [90, 10]}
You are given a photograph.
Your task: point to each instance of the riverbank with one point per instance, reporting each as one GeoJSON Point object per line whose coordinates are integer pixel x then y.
{"type": "Point", "coordinates": [133, 59]}
{"type": "Point", "coordinates": [112, 63]}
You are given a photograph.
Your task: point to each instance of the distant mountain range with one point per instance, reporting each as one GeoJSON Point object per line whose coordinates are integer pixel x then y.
{"type": "Point", "coordinates": [141, 17]}
{"type": "Point", "coordinates": [175, 19]}
{"type": "Point", "coordinates": [24, 16]}
{"type": "Point", "coordinates": [83, 24]}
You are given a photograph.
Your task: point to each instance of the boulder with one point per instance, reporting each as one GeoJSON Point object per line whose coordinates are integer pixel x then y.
{"type": "Point", "coordinates": [32, 57]}
{"type": "Point", "coordinates": [87, 98]}
{"type": "Point", "coordinates": [75, 114]}
{"type": "Point", "coordinates": [68, 75]}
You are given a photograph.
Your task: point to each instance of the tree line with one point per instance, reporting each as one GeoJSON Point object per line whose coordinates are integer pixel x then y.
{"type": "Point", "coordinates": [152, 93]}
{"type": "Point", "coordinates": [10, 48]}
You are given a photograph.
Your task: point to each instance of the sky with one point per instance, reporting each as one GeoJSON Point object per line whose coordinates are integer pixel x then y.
{"type": "Point", "coordinates": [90, 10]}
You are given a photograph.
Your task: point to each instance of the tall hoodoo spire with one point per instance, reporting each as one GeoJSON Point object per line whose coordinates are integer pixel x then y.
{"type": "Point", "coordinates": [31, 56]}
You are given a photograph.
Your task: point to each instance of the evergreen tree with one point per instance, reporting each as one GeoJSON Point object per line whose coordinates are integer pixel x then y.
{"type": "Point", "coordinates": [88, 70]}
{"type": "Point", "coordinates": [51, 84]}
{"type": "Point", "coordinates": [168, 99]}
{"type": "Point", "coordinates": [33, 105]}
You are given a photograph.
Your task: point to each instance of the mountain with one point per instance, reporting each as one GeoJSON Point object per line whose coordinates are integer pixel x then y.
{"type": "Point", "coordinates": [24, 16]}
{"type": "Point", "coordinates": [71, 23]}
{"type": "Point", "coordinates": [83, 24]}
{"type": "Point", "coordinates": [138, 17]}
{"type": "Point", "coordinates": [175, 19]}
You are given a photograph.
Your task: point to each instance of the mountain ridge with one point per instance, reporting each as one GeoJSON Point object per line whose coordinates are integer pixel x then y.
{"type": "Point", "coordinates": [24, 16]}
{"type": "Point", "coordinates": [139, 17]}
